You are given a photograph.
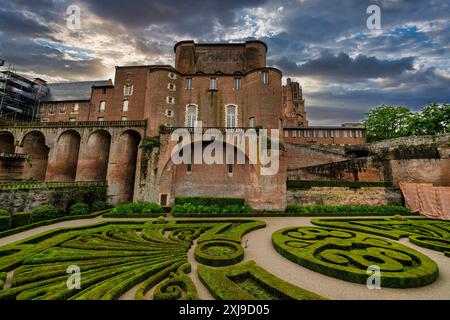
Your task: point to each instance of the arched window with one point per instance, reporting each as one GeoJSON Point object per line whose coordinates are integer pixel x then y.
{"type": "Point", "coordinates": [231, 117]}
{"type": "Point", "coordinates": [191, 116]}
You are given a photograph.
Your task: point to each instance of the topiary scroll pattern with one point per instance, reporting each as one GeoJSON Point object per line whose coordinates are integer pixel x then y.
{"type": "Point", "coordinates": [347, 255]}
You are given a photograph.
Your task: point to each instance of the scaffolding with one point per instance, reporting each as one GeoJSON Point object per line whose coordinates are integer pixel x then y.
{"type": "Point", "coordinates": [20, 97]}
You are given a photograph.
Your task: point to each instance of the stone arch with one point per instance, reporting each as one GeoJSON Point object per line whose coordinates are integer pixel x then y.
{"type": "Point", "coordinates": [94, 157]}
{"type": "Point", "coordinates": [210, 180]}
{"type": "Point", "coordinates": [64, 159]}
{"type": "Point", "coordinates": [122, 166]}
{"type": "Point", "coordinates": [34, 145]}
{"type": "Point", "coordinates": [7, 142]}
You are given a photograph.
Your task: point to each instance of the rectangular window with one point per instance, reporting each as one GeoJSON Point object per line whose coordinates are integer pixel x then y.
{"type": "Point", "coordinates": [170, 100]}
{"type": "Point", "coordinates": [101, 119]}
{"type": "Point", "coordinates": [189, 168]}
{"type": "Point", "coordinates": [72, 119]}
{"type": "Point", "coordinates": [75, 108]}
{"type": "Point", "coordinates": [125, 105]}
{"type": "Point", "coordinates": [102, 107]}
{"type": "Point", "coordinates": [265, 77]}
{"type": "Point", "coordinates": [237, 84]}
{"type": "Point", "coordinates": [189, 84]}
{"type": "Point", "coordinates": [104, 90]}
{"type": "Point", "coordinates": [172, 76]}
{"type": "Point", "coordinates": [251, 122]}
{"type": "Point", "coordinates": [124, 118]}
{"type": "Point", "coordinates": [213, 84]}
{"type": "Point", "coordinates": [52, 109]}
{"type": "Point", "coordinates": [169, 113]}
{"type": "Point", "coordinates": [230, 169]}
{"type": "Point", "coordinates": [128, 90]}
{"type": "Point", "coordinates": [63, 108]}
{"type": "Point", "coordinates": [172, 87]}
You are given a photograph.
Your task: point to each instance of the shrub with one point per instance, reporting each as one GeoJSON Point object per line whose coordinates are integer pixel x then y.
{"type": "Point", "coordinates": [20, 219]}
{"type": "Point", "coordinates": [209, 201]}
{"type": "Point", "coordinates": [188, 208]}
{"type": "Point", "coordinates": [99, 206]}
{"type": "Point", "coordinates": [47, 212]}
{"type": "Point", "coordinates": [5, 223]}
{"type": "Point", "coordinates": [320, 209]}
{"type": "Point", "coordinates": [79, 209]}
{"type": "Point", "coordinates": [4, 213]}
{"type": "Point", "coordinates": [137, 208]}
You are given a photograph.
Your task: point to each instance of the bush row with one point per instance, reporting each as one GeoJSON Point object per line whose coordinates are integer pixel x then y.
{"type": "Point", "coordinates": [137, 209]}
{"type": "Point", "coordinates": [298, 184]}
{"type": "Point", "coordinates": [188, 208]}
{"type": "Point", "coordinates": [224, 284]}
{"type": "Point", "coordinates": [347, 209]}
{"type": "Point", "coordinates": [210, 201]}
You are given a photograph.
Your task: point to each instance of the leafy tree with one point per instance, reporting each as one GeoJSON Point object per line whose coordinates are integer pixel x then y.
{"type": "Point", "coordinates": [388, 122]}
{"type": "Point", "coordinates": [434, 119]}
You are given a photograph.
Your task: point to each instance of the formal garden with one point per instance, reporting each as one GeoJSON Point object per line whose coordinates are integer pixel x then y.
{"type": "Point", "coordinates": [210, 248]}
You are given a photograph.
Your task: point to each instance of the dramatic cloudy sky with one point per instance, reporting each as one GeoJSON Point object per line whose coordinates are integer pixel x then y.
{"type": "Point", "coordinates": [344, 68]}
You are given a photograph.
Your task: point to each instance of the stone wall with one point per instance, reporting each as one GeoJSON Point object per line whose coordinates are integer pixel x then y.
{"type": "Point", "coordinates": [63, 198]}
{"type": "Point", "coordinates": [345, 196]}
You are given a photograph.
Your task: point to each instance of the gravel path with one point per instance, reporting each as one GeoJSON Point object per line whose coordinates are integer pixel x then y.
{"type": "Point", "coordinates": [260, 249]}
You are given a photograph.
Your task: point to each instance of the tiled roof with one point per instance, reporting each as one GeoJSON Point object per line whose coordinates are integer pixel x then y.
{"type": "Point", "coordinates": [72, 91]}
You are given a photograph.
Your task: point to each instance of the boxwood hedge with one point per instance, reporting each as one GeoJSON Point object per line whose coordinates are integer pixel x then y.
{"type": "Point", "coordinates": [247, 281]}
{"type": "Point", "coordinates": [347, 255]}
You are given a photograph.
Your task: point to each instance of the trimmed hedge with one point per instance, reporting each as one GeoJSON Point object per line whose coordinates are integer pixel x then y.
{"type": "Point", "coordinates": [210, 201]}
{"type": "Point", "coordinates": [47, 212]}
{"type": "Point", "coordinates": [31, 225]}
{"type": "Point", "coordinates": [248, 281]}
{"type": "Point", "coordinates": [347, 209]}
{"type": "Point", "coordinates": [299, 184]}
{"type": "Point", "coordinates": [347, 255]}
{"type": "Point", "coordinates": [99, 206]}
{"type": "Point", "coordinates": [20, 219]}
{"type": "Point", "coordinates": [219, 253]}
{"type": "Point", "coordinates": [114, 257]}
{"type": "Point", "coordinates": [428, 233]}
{"type": "Point", "coordinates": [5, 223]}
{"type": "Point", "coordinates": [212, 209]}
{"type": "Point", "coordinates": [137, 209]}
{"type": "Point", "coordinates": [2, 279]}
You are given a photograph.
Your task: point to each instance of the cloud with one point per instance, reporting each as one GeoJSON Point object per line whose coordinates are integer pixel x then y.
{"type": "Point", "coordinates": [343, 66]}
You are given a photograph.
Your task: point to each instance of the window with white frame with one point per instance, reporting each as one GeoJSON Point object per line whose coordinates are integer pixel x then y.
{"type": "Point", "coordinates": [213, 84]}
{"type": "Point", "coordinates": [124, 118]}
{"type": "Point", "coordinates": [172, 87]}
{"type": "Point", "coordinates": [63, 108]}
{"type": "Point", "coordinates": [188, 83]}
{"type": "Point", "coordinates": [125, 105]}
{"type": "Point", "coordinates": [76, 107]}
{"type": "Point", "coordinates": [102, 107]}
{"type": "Point", "coordinates": [170, 100]}
{"type": "Point", "coordinates": [231, 117]}
{"type": "Point", "coordinates": [237, 83]}
{"type": "Point", "coordinates": [52, 109]}
{"type": "Point", "coordinates": [72, 119]}
{"type": "Point", "coordinates": [172, 76]}
{"type": "Point", "coordinates": [169, 113]}
{"type": "Point", "coordinates": [265, 77]}
{"type": "Point", "coordinates": [128, 90]}
{"type": "Point", "coordinates": [191, 116]}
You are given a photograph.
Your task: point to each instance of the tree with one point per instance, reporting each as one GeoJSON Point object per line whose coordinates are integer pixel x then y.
{"type": "Point", "coordinates": [434, 119]}
{"type": "Point", "coordinates": [388, 122]}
